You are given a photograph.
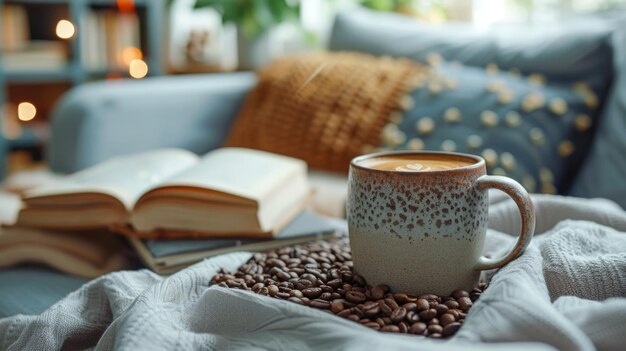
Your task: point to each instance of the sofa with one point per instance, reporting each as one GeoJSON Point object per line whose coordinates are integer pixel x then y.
{"type": "Point", "coordinates": [100, 120]}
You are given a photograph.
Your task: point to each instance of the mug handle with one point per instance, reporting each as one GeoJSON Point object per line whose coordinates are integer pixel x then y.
{"type": "Point", "coordinates": [527, 211]}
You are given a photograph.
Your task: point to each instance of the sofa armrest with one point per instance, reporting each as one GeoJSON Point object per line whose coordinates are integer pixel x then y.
{"type": "Point", "coordinates": [96, 121]}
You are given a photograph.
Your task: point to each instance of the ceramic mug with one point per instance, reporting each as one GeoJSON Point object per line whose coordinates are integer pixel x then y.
{"type": "Point", "coordinates": [424, 231]}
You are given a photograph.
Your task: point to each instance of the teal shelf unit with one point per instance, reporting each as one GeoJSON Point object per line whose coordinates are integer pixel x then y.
{"type": "Point", "coordinates": [74, 73]}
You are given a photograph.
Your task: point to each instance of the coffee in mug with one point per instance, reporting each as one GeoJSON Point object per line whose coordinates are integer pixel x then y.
{"type": "Point", "coordinates": [417, 220]}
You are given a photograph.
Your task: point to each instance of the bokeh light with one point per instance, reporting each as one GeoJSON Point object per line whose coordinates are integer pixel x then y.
{"type": "Point", "coordinates": [138, 69]}
{"type": "Point", "coordinates": [65, 29]}
{"type": "Point", "coordinates": [26, 111]}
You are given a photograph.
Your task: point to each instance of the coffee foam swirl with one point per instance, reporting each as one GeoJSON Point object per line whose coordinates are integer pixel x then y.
{"type": "Point", "coordinates": [413, 167]}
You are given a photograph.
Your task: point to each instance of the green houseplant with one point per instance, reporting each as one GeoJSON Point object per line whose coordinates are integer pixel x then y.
{"type": "Point", "coordinates": [254, 20]}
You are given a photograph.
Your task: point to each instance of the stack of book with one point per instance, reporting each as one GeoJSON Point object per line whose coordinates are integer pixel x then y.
{"type": "Point", "coordinates": [19, 52]}
{"type": "Point", "coordinates": [174, 207]}
{"type": "Point", "coordinates": [110, 39]}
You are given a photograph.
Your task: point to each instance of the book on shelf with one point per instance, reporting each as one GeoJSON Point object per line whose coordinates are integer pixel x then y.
{"type": "Point", "coordinates": [19, 52]}
{"type": "Point", "coordinates": [109, 39]}
{"type": "Point", "coordinates": [14, 27]}
{"type": "Point", "coordinates": [36, 55]}
{"type": "Point", "coordinates": [165, 256]}
{"type": "Point", "coordinates": [173, 193]}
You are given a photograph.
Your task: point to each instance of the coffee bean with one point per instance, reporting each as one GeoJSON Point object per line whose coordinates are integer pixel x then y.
{"type": "Point", "coordinates": [283, 295]}
{"type": "Point", "coordinates": [293, 261]}
{"type": "Point", "coordinates": [379, 291]}
{"type": "Point", "coordinates": [410, 306]}
{"type": "Point", "coordinates": [321, 304]}
{"type": "Point", "coordinates": [417, 328]}
{"type": "Point", "coordinates": [303, 284]}
{"type": "Point", "coordinates": [296, 300]}
{"type": "Point", "coordinates": [391, 303]}
{"type": "Point", "coordinates": [344, 313]}
{"type": "Point", "coordinates": [309, 277]}
{"type": "Point", "coordinates": [412, 317]}
{"type": "Point", "coordinates": [441, 309]}
{"type": "Point", "coordinates": [334, 284]}
{"type": "Point", "coordinates": [428, 314]}
{"type": "Point", "coordinates": [411, 298]}
{"type": "Point", "coordinates": [274, 262]}
{"type": "Point", "coordinates": [422, 304]}
{"type": "Point", "coordinates": [457, 294]}
{"type": "Point", "coordinates": [399, 298]}
{"type": "Point", "coordinates": [347, 277]}
{"type": "Point", "coordinates": [359, 280]}
{"type": "Point", "coordinates": [384, 308]}
{"type": "Point", "coordinates": [428, 296]}
{"type": "Point", "coordinates": [452, 304]}
{"type": "Point", "coordinates": [465, 303]}
{"type": "Point", "coordinates": [450, 329]}
{"type": "Point", "coordinates": [326, 296]}
{"type": "Point", "coordinates": [321, 275]}
{"type": "Point", "coordinates": [455, 313]}
{"type": "Point", "coordinates": [358, 310]}
{"type": "Point", "coordinates": [353, 317]}
{"type": "Point", "coordinates": [326, 288]}
{"type": "Point", "coordinates": [371, 309]}
{"type": "Point", "coordinates": [446, 319]}
{"type": "Point", "coordinates": [372, 325]}
{"type": "Point", "coordinates": [435, 329]}
{"type": "Point", "coordinates": [312, 293]}
{"type": "Point", "coordinates": [355, 296]}
{"type": "Point", "coordinates": [296, 293]}
{"type": "Point", "coordinates": [398, 314]}
{"type": "Point", "coordinates": [257, 287]}
{"type": "Point", "coordinates": [337, 306]}
{"type": "Point", "coordinates": [390, 329]}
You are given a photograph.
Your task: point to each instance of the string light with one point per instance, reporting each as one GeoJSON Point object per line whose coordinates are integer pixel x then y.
{"type": "Point", "coordinates": [26, 111]}
{"type": "Point", "coordinates": [138, 69]}
{"type": "Point", "coordinates": [65, 29]}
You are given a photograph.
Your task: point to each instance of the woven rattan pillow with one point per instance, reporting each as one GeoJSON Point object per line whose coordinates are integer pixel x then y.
{"type": "Point", "coordinates": [324, 108]}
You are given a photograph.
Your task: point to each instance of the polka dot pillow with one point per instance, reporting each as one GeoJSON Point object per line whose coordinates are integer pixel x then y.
{"type": "Point", "coordinates": [525, 127]}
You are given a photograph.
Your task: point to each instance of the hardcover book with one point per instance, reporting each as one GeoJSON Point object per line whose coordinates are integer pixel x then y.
{"type": "Point", "coordinates": [229, 192]}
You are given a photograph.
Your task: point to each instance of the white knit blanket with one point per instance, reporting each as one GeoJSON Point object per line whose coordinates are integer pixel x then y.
{"type": "Point", "coordinates": [566, 292]}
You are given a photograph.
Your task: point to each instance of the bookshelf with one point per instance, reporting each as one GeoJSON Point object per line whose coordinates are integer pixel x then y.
{"type": "Point", "coordinates": [102, 29]}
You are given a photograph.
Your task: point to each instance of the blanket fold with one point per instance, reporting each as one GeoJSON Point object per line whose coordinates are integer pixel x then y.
{"type": "Point", "coordinates": [566, 292]}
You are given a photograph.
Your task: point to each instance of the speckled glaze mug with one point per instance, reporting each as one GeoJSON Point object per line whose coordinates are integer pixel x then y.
{"type": "Point", "coordinates": [423, 231]}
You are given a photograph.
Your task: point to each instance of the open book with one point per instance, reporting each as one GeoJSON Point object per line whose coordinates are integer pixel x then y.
{"type": "Point", "coordinates": [174, 193]}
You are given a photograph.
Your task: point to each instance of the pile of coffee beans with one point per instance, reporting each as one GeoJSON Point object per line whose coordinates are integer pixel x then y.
{"type": "Point", "coordinates": [320, 275]}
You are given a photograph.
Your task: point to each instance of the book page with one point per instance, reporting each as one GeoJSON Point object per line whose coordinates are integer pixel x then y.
{"type": "Point", "coordinates": [251, 174]}
{"type": "Point", "coordinates": [123, 177]}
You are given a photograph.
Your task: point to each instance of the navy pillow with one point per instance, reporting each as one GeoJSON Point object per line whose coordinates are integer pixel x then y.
{"type": "Point", "coordinates": [523, 125]}
{"type": "Point", "coordinates": [523, 70]}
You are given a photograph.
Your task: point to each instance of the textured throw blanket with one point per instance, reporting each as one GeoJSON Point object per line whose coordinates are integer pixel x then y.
{"type": "Point", "coordinates": [566, 292]}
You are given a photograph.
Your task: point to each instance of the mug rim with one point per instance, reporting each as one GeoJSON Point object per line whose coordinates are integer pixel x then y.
{"type": "Point", "coordinates": [480, 162]}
